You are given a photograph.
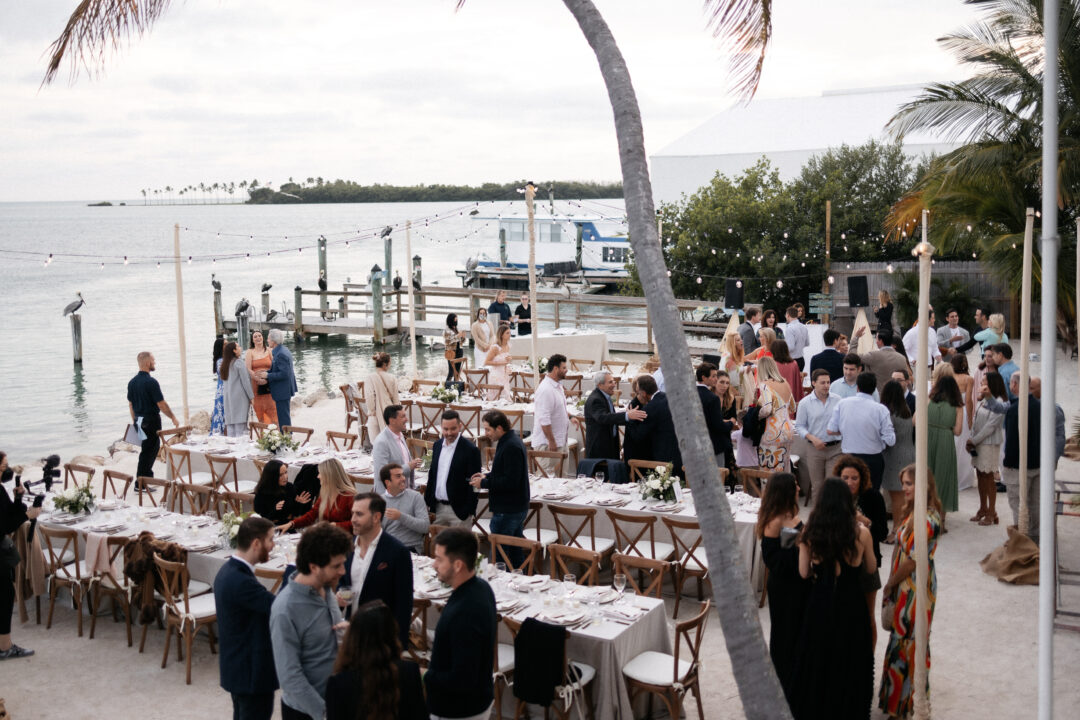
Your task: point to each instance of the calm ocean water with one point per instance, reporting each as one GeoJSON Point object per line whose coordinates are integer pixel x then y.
{"type": "Point", "coordinates": [49, 404]}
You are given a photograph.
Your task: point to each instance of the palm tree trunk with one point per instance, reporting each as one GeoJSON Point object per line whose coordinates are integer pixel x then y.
{"type": "Point", "coordinates": [759, 687]}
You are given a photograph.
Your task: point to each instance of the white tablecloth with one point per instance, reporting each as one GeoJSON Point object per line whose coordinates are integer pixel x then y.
{"type": "Point", "coordinates": [581, 345]}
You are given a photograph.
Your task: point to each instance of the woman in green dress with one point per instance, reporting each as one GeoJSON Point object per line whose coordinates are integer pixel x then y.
{"type": "Point", "coordinates": [945, 418]}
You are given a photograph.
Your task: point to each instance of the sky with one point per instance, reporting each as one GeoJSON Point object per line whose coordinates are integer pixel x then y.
{"type": "Point", "coordinates": [407, 92]}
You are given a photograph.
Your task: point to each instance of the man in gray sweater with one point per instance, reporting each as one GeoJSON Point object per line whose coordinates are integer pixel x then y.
{"type": "Point", "coordinates": [303, 621]}
{"type": "Point", "coordinates": [406, 515]}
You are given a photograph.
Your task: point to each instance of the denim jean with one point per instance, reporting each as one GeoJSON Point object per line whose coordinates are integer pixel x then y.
{"type": "Point", "coordinates": [510, 524]}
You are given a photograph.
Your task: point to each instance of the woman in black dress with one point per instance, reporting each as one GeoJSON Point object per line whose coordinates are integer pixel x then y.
{"type": "Point", "coordinates": [870, 512]}
{"type": "Point", "coordinates": [275, 497]}
{"type": "Point", "coordinates": [370, 680]}
{"type": "Point", "coordinates": [833, 677]}
{"type": "Point", "coordinates": [884, 316]}
{"type": "Point", "coordinates": [778, 526]}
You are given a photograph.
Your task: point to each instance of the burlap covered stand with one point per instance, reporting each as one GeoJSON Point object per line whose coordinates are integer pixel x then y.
{"type": "Point", "coordinates": [1016, 562]}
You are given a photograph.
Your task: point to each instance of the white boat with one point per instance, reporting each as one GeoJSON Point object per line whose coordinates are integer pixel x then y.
{"type": "Point", "coordinates": [572, 249]}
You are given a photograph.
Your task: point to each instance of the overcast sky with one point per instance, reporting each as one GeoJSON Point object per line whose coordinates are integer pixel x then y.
{"type": "Point", "coordinates": [409, 91]}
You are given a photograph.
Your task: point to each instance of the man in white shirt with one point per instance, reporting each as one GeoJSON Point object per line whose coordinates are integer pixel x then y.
{"type": "Point", "coordinates": [911, 342]}
{"type": "Point", "coordinates": [845, 386]}
{"type": "Point", "coordinates": [951, 337]}
{"type": "Point", "coordinates": [811, 423]}
{"type": "Point", "coordinates": [454, 459]}
{"type": "Point", "coordinates": [797, 336]}
{"type": "Point", "coordinates": [550, 417]}
{"type": "Point", "coordinates": [390, 446]}
{"type": "Point", "coordinates": [865, 427]}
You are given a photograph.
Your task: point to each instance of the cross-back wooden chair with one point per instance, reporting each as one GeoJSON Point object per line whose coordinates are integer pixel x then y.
{"type": "Point", "coordinates": [304, 433]}
{"type": "Point", "coordinates": [260, 465]}
{"type": "Point", "coordinates": [63, 568]}
{"type": "Point", "coordinates": [166, 487]}
{"type": "Point", "coordinates": [522, 380]}
{"type": "Point", "coordinates": [690, 559]}
{"type": "Point", "coordinates": [236, 502]}
{"type": "Point", "coordinates": [429, 541]}
{"type": "Point", "coordinates": [517, 420]}
{"type": "Point", "coordinates": [430, 418]}
{"type": "Point", "coordinates": [576, 527]}
{"type": "Point", "coordinates": [654, 570]}
{"type": "Point", "coordinates": [533, 552]}
{"type": "Point", "coordinates": [537, 468]}
{"type": "Point", "coordinates": [645, 672]}
{"type": "Point", "coordinates": [223, 469]}
{"type": "Point", "coordinates": [256, 429]}
{"type": "Point", "coordinates": [359, 397]}
{"type": "Point", "coordinates": [341, 440]}
{"type": "Point", "coordinates": [640, 468]}
{"type": "Point", "coordinates": [753, 480]}
{"type": "Point", "coordinates": [419, 648]}
{"type": "Point", "coordinates": [471, 421]}
{"type": "Point", "coordinates": [109, 479]}
{"type": "Point", "coordinates": [197, 498]}
{"type": "Point", "coordinates": [565, 558]}
{"type": "Point", "coordinates": [172, 436]}
{"type": "Point", "coordinates": [581, 365]}
{"type": "Point", "coordinates": [184, 613]}
{"type": "Point", "coordinates": [362, 483]}
{"type": "Point", "coordinates": [423, 386]}
{"type": "Point", "coordinates": [278, 576]}
{"type": "Point", "coordinates": [351, 413]}
{"type": "Point", "coordinates": [112, 584]}
{"type": "Point", "coordinates": [572, 384]}
{"type": "Point", "coordinates": [459, 365]}
{"type": "Point", "coordinates": [522, 395]}
{"type": "Point", "coordinates": [417, 447]}
{"type": "Point", "coordinates": [474, 378]}
{"type": "Point", "coordinates": [482, 525]}
{"type": "Point", "coordinates": [615, 367]}
{"type": "Point", "coordinates": [488, 454]}
{"type": "Point", "coordinates": [78, 475]}
{"type": "Point", "coordinates": [567, 688]}
{"type": "Point", "coordinates": [544, 537]}
{"type": "Point", "coordinates": [636, 535]}
{"type": "Point", "coordinates": [179, 466]}
{"type": "Point", "coordinates": [577, 424]}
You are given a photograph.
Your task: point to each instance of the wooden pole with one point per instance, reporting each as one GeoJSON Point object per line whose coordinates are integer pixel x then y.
{"type": "Point", "coordinates": [180, 320]}
{"type": "Point", "coordinates": [76, 338]}
{"type": "Point", "coordinates": [265, 307]}
{"type": "Point", "coordinates": [421, 313]}
{"type": "Point", "coordinates": [1023, 418]}
{"type": "Point", "coordinates": [376, 304]}
{"type": "Point", "coordinates": [828, 257]}
{"type": "Point", "coordinates": [324, 305]}
{"type": "Point", "coordinates": [412, 307]}
{"type": "Point", "coordinates": [924, 251]}
{"type": "Point", "coordinates": [219, 318]}
{"type": "Point", "coordinates": [388, 252]}
{"type": "Point", "coordinates": [530, 194]}
{"type": "Point", "coordinates": [298, 314]}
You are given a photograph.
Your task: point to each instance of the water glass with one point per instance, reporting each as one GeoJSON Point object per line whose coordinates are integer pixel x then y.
{"type": "Point", "coordinates": [500, 567]}
{"type": "Point", "coordinates": [570, 578]}
{"type": "Point", "coordinates": [619, 581]}
{"type": "Point", "coordinates": [738, 489]}
{"type": "Point", "coordinates": [599, 476]}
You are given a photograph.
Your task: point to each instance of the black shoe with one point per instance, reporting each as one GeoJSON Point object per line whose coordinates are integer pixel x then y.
{"type": "Point", "coordinates": [147, 489]}
{"type": "Point", "coordinates": [15, 652]}
{"type": "Point", "coordinates": [1001, 487]}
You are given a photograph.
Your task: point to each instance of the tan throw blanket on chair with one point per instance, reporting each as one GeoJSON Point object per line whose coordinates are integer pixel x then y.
{"type": "Point", "coordinates": [29, 576]}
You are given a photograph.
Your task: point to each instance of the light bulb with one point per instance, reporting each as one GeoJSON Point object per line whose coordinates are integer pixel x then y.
{"type": "Point", "coordinates": [779, 283]}
{"type": "Point", "coordinates": [699, 281]}
{"type": "Point", "coordinates": [738, 283]}
{"type": "Point", "coordinates": [831, 280]}
{"type": "Point", "coordinates": [889, 267]}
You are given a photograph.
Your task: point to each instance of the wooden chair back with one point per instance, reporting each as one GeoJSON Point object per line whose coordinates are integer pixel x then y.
{"type": "Point", "coordinates": [575, 526]}
{"type": "Point", "coordinates": [578, 425]}
{"type": "Point", "coordinates": [162, 501]}
{"type": "Point", "coordinates": [470, 419]}
{"type": "Point", "coordinates": [430, 418]}
{"type": "Point", "coordinates": [362, 483]}
{"type": "Point", "coordinates": [691, 553]}
{"type": "Point", "coordinates": [295, 430]}
{"type": "Point", "coordinates": [174, 578]}
{"type": "Point", "coordinates": [537, 468]}
{"type": "Point", "coordinates": [341, 440]}
{"type": "Point", "coordinates": [58, 543]}
{"type": "Point", "coordinates": [691, 632]}
{"type": "Point", "coordinates": [640, 468]}
{"type": "Point", "coordinates": [278, 576]}
{"type": "Point", "coordinates": [112, 583]}
{"type": "Point", "coordinates": [359, 397]}
{"type": "Point", "coordinates": [615, 367]}
{"type": "Point", "coordinates": [489, 456]}
{"type": "Point", "coordinates": [634, 534]}
{"type": "Point", "coordinates": [474, 378]}
{"type": "Point", "coordinates": [517, 420]}
{"type": "Point", "coordinates": [179, 464]}
{"type": "Point", "coordinates": [351, 415]}
{"type": "Point", "coordinates": [522, 395]}
{"type": "Point", "coordinates": [223, 470]}
{"type": "Point", "coordinates": [424, 387]}
{"type": "Point", "coordinates": [256, 429]}
{"type": "Point", "coordinates": [489, 391]}
{"type": "Point", "coordinates": [198, 498]}
{"type": "Point", "coordinates": [419, 649]}
{"type": "Point", "coordinates": [580, 365]}
{"type": "Point", "coordinates": [260, 465]}
{"type": "Point", "coordinates": [429, 541]}
{"type": "Point", "coordinates": [172, 436]}
{"type": "Point", "coordinates": [417, 447]}
{"type": "Point", "coordinates": [533, 516]}
{"type": "Point", "coordinates": [236, 502]}
{"type": "Point", "coordinates": [534, 552]}
{"type": "Point", "coordinates": [78, 475]}
{"type": "Point", "coordinates": [572, 384]}
{"type": "Point", "coordinates": [655, 570]}
{"type": "Point", "coordinates": [109, 478]}
{"type": "Point", "coordinates": [563, 558]}
{"type": "Point", "coordinates": [753, 480]}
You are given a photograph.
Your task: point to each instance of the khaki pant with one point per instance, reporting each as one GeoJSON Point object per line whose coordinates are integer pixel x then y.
{"type": "Point", "coordinates": [444, 515]}
{"type": "Point", "coordinates": [1011, 478]}
{"type": "Point", "coordinates": [552, 467]}
{"type": "Point", "coordinates": [819, 465]}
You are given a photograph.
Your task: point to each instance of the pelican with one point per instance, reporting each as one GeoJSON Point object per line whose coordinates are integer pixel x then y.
{"type": "Point", "coordinates": [322, 280]}
{"type": "Point", "coordinates": [416, 284]}
{"type": "Point", "coordinates": [214, 281]}
{"type": "Point", "coordinates": [386, 231]}
{"type": "Point", "coordinates": [73, 308]}
{"type": "Point", "coordinates": [266, 287]}
{"type": "Point", "coordinates": [397, 280]}
{"type": "Point", "coordinates": [242, 306]}
{"type": "Point", "coordinates": [271, 315]}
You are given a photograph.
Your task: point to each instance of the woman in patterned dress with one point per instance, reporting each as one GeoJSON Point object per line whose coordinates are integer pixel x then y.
{"type": "Point", "coordinates": [217, 418]}
{"type": "Point", "coordinates": [776, 403]}
{"type": "Point", "coordinates": [895, 698]}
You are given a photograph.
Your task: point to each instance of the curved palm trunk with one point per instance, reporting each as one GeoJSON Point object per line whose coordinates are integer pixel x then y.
{"type": "Point", "coordinates": [759, 688]}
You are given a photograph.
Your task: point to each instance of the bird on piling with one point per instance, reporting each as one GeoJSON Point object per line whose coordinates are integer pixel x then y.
{"type": "Point", "coordinates": [397, 280]}
{"type": "Point", "coordinates": [266, 287]}
{"type": "Point", "coordinates": [214, 281]}
{"type": "Point", "coordinates": [271, 315]}
{"type": "Point", "coordinates": [386, 231]}
{"type": "Point", "coordinates": [242, 306]}
{"type": "Point", "coordinates": [73, 308]}
{"type": "Point", "coordinates": [416, 284]}
{"type": "Point", "coordinates": [322, 280]}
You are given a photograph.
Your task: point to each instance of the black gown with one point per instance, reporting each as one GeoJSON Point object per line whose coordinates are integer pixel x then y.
{"type": "Point", "coordinates": [833, 678]}
{"type": "Point", "coordinates": [787, 605]}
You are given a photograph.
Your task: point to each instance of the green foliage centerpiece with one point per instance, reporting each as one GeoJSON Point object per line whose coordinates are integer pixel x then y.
{"type": "Point", "coordinates": [76, 500]}
{"type": "Point", "coordinates": [276, 441]}
{"type": "Point", "coordinates": [445, 394]}
{"type": "Point", "coordinates": [659, 484]}
{"type": "Point", "coordinates": [230, 526]}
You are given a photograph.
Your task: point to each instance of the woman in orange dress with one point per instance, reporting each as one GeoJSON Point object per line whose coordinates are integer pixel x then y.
{"type": "Point", "coordinates": [258, 358]}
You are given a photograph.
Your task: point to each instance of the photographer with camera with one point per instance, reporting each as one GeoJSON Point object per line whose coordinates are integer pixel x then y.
{"type": "Point", "coordinates": [13, 513]}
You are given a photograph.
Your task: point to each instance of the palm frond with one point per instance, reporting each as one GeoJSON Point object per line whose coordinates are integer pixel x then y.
{"type": "Point", "coordinates": [955, 110]}
{"type": "Point", "coordinates": [745, 26]}
{"type": "Point", "coordinates": [97, 26]}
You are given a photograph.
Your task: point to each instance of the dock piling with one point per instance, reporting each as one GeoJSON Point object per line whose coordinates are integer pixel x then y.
{"type": "Point", "coordinates": [324, 305]}
{"type": "Point", "coordinates": [502, 247]}
{"type": "Point", "coordinates": [219, 319]}
{"type": "Point", "coordinates": [242, 329]}
{"type": "Point", "coordinates": [342, 309]}
{"type": "Point", "coordinates": [76, 337]}
{"type": "Point", "coordinates": [388, 249]}
{"type": "Point", "coordinates": [419, 314]}
{"type": "Point", "coordinates": [376, 304]}
{"type": "Point", "coordinates": [298, 314]}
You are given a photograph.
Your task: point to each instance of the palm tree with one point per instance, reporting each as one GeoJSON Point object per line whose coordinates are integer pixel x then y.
{"type": "Point", "coordinates": [747, 25]}
{"type": "Point", "coordinates": [143, 191]}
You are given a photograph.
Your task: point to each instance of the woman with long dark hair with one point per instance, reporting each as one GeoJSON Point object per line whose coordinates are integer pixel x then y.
{"type": "Point", "coordinates": [788, 368]}
{"type": "Point", "coordinates": [217, 416]}
{"type": "Point", "coordinates": [834, 669]}
{"type": "Point", "coordinates": [275, 496]}
{"type": "Point", "coordinates": [237, 391]}
{"type": "Point", "coordinates": [945, 420]}
{"type": "Point", "coordinates": [870, 512]}
{"type": "Point", "coordinates": [452, 339]}
{"type": "Point", "coordinates": [902, 452]}
{"type": "Point", "coordinates": [258, 360]}
{"type": "Point", "coordinates": [370, 680]}
{"type": "Point", "coordinates": [985, 445]}
{"type": "Point", "coordinates": [778, 526]}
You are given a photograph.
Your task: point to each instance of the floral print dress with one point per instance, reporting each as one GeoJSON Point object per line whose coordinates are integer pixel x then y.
{"type": "Point", "coordinates": [779, 430]}
{"type": "Point", "coordinates": [217, 419]}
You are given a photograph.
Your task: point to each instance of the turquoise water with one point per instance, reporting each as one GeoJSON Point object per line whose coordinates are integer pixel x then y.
{"type": "Point", "coordinates": [49, 404]}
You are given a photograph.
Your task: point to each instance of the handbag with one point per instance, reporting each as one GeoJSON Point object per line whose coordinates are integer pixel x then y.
{"type": "Point", "coordinates": [263, 389]}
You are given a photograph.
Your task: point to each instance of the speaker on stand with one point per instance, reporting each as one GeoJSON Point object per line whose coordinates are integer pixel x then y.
{"type": "Point", "coordinates": [733, 294]}
{"type": "Point", "coordinates": [858, 294]}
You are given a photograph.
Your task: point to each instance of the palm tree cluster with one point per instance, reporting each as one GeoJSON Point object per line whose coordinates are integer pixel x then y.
{"type": "Point", "coordinates": [978, 194]}
{"type": "Point", "coordinates": [201, 194]}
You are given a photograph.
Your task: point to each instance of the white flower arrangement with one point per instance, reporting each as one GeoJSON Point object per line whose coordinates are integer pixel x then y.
{"type": "Point", "coordinates": [76, 500]}
{"type": "Point", "coordinates": [230, 526]}
{"type": "Point", "coordinates": [540, 364]}
{"type": "Point", "coordinates": [445, 394]}
{"type": "Point", "coordinates": [275, 441]}
{"type": "Point", "coordinates": [659, 484]}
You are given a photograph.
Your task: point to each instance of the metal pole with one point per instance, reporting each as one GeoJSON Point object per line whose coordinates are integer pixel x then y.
{"type": "Point", "coordinates": [412, 307]}
{"type": "Point", "coordinates": [1023, 419]}
{"type": "Point", "coordinates": [1047, 457]}
{"type": "Point", "coordinates": [828, 256]}
{"type": "Point", "coordinates": [923, 251]}
{"type": "Point", "coordinates": [180, 319]}
{"type": "Point", "coordinates": [530, 194]}
{"type": "Point", "coordinates": [76, 338]}
{"type": "Point", "coordinates": [324, 305]}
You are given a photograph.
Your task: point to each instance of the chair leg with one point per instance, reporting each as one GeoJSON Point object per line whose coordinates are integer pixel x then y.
{"type": "Point", "coordinates": [165, 655]}
{"type": "Point", "coordinates": [697, 696]}
{"type": "Point", "coordinates": [179, 644]}
{"type": "Point", "coordinates": [94, 605]}
{"type": "Point", "coordinates": [213, 639]}
{"type": "Point", "coordinates": [679, 577]}
{"type": "Point", "coordinates": [142, 642]}
{"type": "Point", "coordinates": [127, 622]}
{"type": "Point", "coordinates": [52, 604]}
{"type": "Point", "coordinates": [189, 636]}
{"type": "Point", "coordinates": [77, 599]}
{"type": "Point", "coordinates": [37, 609]}
{"type": "Point", "coordinates": [498, 698]}
{"type": "Point", "coordinates": [673, 704]}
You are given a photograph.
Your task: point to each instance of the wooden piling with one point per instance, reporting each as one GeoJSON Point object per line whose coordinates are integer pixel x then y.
{"type": "Point", "coordinates": [388, 251]}
{"type": "Point", "coordinates": [76, 338]}
{"type": "Point", "coordinates": [324, 305]}
{"type": "Point", "coordinates": [419, 275]}
{"type": "Point", "coordinates": [265, 305]}
{"type": "Point", "coordinates": [298, 313]}
{"type": "Point", "coordinates": [375, 281]}
{"type": "Point", "coordinates": [502, 247]}
{"type": "Point", "coordinates": [219, 319]}
{"type": "Point", "coordinates": [242, 330]}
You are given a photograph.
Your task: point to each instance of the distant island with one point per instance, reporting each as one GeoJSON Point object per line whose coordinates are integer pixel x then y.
{"type": "Point", "coordinates": [103, 203]}
{"type": "Point", "coordinates": [317, 190]}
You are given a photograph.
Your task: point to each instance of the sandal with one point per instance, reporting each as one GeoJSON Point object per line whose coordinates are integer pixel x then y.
{"type": "Point", "coordinates": [989, 520]}
{"type": "Point", "coordinates": [978, 516]}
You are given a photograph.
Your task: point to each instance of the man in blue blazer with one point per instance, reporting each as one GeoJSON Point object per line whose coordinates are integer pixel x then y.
{"type": "Point", "coordinates": [243, 619]}
{"type": "Point", "coordinates": [280, 376]}
{"type": "Point", "coordinates": [379, 567]}
{"type": "Point", "coordinates": [453, 461]}
{"type": "Point", "coordinates": [654, 437]}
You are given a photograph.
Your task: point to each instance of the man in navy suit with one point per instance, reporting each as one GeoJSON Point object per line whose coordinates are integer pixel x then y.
{"type": "Point", "coordinates": [379, 567]}
{"type": "Point", "coordinates": [654, 437]}
{"type": "Point", "coordinates": [280, 376]}
{"type": "Point", "coordinates": [453, 461]}
{"type": "Point", "coordinates": [243, 619]}
{"type": "Point", "coordinates": [601, 419]}
{"type": "Point", "coordinates": [719, 429]}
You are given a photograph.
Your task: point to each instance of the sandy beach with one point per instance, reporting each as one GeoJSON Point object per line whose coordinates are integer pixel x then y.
{"type": "Point", "coordinates": [983, 637]}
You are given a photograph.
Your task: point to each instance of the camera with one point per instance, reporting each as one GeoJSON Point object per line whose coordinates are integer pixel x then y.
{"type": "Point", "coordinates": [51, 471]}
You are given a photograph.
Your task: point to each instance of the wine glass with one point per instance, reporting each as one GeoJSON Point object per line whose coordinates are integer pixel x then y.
{"type": "Point", "coordinates": [599, 475]}
{"type": "Point", "coordinates": [619, 581]}
{"type": "Point", "coordinates": [570, 578]}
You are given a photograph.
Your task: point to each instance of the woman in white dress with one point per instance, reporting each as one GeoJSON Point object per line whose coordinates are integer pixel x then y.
{"type": "Point", "coordinates": [497, 361]}
{"type": "Point", "coordinates": [481, 337]}
{"type": "Point", "coordinates": [380, 391]}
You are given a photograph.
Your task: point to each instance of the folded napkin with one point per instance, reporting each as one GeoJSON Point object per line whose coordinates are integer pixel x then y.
{"type": "Point", "coordinates": [628, 612]}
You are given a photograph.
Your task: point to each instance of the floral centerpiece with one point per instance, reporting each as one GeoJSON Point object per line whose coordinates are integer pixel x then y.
{"type": "Point", "coordinates": [658, 484]}
{"type": "Point", "coordinates": [276, 441]}
{"type": "Point", "coordinates": [540, 364]}
{"type": "Point", "coordinates": [230, 526]}
{"type": "Point", "coordinates": [580, 402]}
{"type": "Point", "coordinates": [425, 462]}
{"type": "Point", "coordinates": [76, 500]}
{"type": "Point", "coordinates": [445, 394]}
